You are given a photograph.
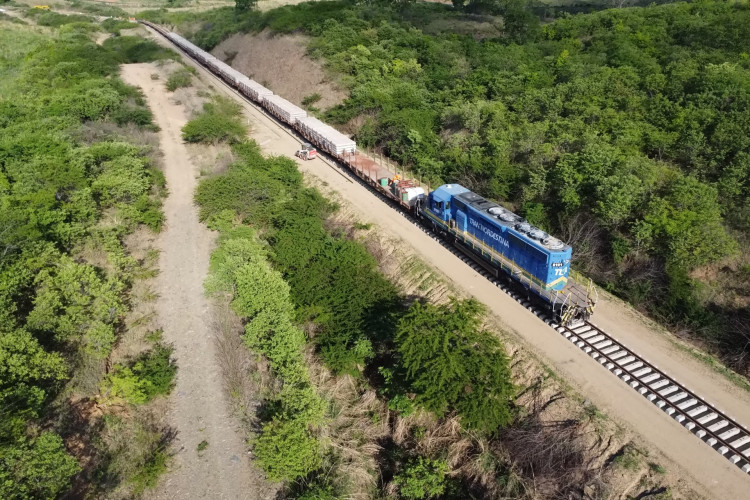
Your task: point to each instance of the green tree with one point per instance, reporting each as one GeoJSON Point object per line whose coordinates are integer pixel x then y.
{"type": "Point", "coordinates": [685, 224]}
{"type": "Point", "coordinates": [454, 365]}
{"type": "Point", "coordinates": [75, 304]}
{"type": "Point", "coordinates": [37, 468]}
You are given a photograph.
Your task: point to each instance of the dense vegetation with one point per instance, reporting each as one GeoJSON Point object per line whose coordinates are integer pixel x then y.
{"type": "Point", "coordinates": [359, 324]}
{"type": "Point", "coordinates": [71, 188]}
{"type": "Point", "coordinates": [624, 131]}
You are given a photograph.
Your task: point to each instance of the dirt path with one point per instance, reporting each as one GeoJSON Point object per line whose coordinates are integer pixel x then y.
{"type": "Point", "coordinates": [198, 410]}
{"type": "Point", "coordinates": [712, 474]}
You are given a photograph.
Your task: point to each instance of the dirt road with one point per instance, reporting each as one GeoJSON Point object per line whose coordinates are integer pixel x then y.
{"type": "Point", "coordinates": [199, 410]}
{"type": "Point", "coordinates": [713, 474]}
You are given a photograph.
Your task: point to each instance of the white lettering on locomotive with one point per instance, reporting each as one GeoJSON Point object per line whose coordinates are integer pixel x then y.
{"type": "Point", "coordinates": [561, 272]}
{"type": "Point", "coordinates": [489, 232]}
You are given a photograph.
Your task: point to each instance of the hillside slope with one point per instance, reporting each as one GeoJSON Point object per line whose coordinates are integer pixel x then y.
{"type": "Point", "coordinates": [281, 64]}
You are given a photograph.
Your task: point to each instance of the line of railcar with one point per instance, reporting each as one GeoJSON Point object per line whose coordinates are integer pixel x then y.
{"type": "Point", "coordinates": [500, 241]}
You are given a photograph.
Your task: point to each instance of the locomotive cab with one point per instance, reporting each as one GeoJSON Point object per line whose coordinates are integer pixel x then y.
{"type": "Point", "coordinates": [439, 203]}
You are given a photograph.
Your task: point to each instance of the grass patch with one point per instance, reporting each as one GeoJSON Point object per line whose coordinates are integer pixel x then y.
{"type": "Point", "coordinates": [659, 469]}
{"type": "Point", "coordinates": [628, 458]}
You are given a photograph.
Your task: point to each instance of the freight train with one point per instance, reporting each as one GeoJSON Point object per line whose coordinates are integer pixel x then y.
{"type": "Point", "coordinates": [503, 243]}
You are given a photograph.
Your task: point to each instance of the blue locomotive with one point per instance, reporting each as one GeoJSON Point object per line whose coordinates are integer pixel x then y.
{"type": "Point", "coordinates": [507, 245]}
{"type": "Point", "coordinates": [496, 238]}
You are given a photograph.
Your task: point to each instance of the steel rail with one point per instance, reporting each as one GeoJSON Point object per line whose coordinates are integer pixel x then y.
{"type": "Point", "coordinates": [712, 426]}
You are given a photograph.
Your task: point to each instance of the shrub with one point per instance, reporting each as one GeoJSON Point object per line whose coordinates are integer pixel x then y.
{"type": "Point", "coordinates": [148, 475]}
{"type": "Point", "coordinates": [422, 478]}
{"type": "Point", "coordinates": [136, 450]}
{"type": "Point", "coordinates": [319, 492]}
{"type": "Point", "coordinates": [150, 375]}
{"type": "Point", "coordinates": [628, 458]}
{"type": "Point", "coordinates": [149, 213]}
{"type": "Point", "coordinates": [123, 179]}
{"type": "Point", "coordinates": [219, 122]}
{"type": "Point", "coordinates": [134, 49]}
{"type": "Point", "coordinates": [114, 26]}
{"type": "Point", "coordinates": [178, 79]}
{"type": "Point", "coordinates": [139, 115]}
{"type": "Point", "coordinates": [286, 450]}
{"type": "Point", "coordinates": [311, 99]}
{"type": "Point", "coordinates": [75, 304]}
{"type": "Point", "coordinates": [27, 375]}
{"type": "Point", "coordinates": [453, 365]}
{"type": "Point", "coordinates": [55, 20]}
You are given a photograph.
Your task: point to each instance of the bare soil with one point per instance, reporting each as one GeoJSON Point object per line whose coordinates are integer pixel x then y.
{"type": "Point", "coordinates": [281, 64]}
{"type": "Point", "coordinates": [199, 409]}
{"type": "Point", "coordinates": [690, 460]}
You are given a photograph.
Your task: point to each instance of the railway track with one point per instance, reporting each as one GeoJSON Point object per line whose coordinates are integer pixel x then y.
{"type": "Point", "coordinates": [719, 431]}
{"type": "Point", "coordinates": [695, 413]}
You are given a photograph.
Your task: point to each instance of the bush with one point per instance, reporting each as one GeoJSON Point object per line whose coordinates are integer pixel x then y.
{"type": "Point", "coordinates": [286, 451]}
{"type": "Point", "coordinates": [55, 20]}
{"type": "Point", "coordinates": [77, 306]}
{"type": "Point", "coordinates": [114, 26]}
{"type": "Point", "coordinates": [136, 450]}
{"type": "Point", "coordinates": [148, 475]}
{"type": "Point", "coordinates": [134, 49]}
{"type": "Point", "coordinates": [179, 79]}
{"type": "Point", "coordinates": [219, 122]}
{"type": "Point", "coordinates": [123, 179]}
{"type": "Point", "coordinates": [453, 365]}
{"type": "Point", "coordinates": [422, 478]}
{"type": "Point", "coordinates": [139, 115]}
{"type": "Point", "coordinates": [150, 375]}
{"type": "Point", "coordinates": [149, 213]}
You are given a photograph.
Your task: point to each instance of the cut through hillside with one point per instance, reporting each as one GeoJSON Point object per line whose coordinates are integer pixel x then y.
{"type": "Point", "coordinates": [281, 64]}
